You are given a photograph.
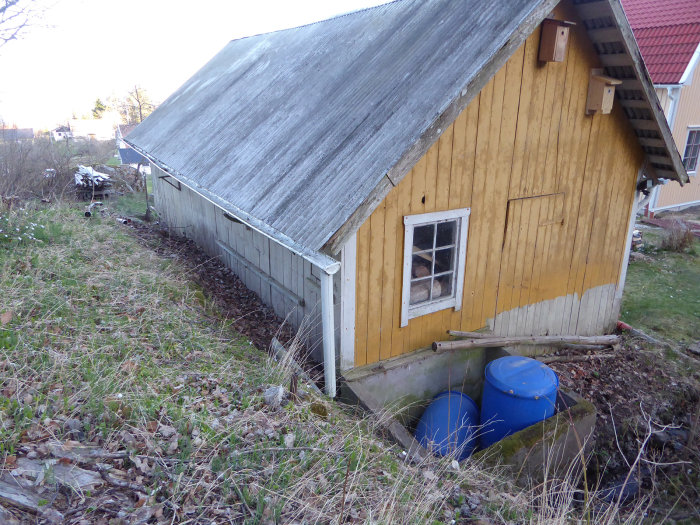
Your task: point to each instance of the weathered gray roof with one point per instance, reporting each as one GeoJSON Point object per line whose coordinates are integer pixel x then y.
{"type": "Point", "coordinates": [297, 130]}
{"type": "Point", "coordinates": [298, 126]}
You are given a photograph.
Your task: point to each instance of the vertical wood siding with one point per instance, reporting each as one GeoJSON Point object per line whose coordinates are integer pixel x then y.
{"type": "Point", "coordinates": [279, 277]}
{"type": "Point", "coordinates": [550, 194]}
{"type": "Point", "coordinates": [688, 115]}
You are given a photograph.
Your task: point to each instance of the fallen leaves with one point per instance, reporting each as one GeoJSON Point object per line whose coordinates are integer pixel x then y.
{"type": "Point", "coordinates": [6, 317]}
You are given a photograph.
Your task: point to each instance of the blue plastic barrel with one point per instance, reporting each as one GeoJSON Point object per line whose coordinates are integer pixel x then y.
{"type": "Point", "coordinates": [448, 424]}
{"type": "Point", "coordinates": [518, 392]}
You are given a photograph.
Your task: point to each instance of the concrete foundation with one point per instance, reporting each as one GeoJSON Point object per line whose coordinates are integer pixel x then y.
{"type": "Point", "coordinates": [403, 386]}
{"type": "Point", "coordinates": [556, 446]}
{"type": "Point", "coordinates": [399, 389]}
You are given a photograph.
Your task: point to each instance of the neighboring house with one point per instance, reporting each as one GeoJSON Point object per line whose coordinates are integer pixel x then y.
{"type": "Point", "coordinates": [412, 168]}
{"type": "Point", "coordinates": [668, 34]}
{"type": "Point", "coordinates": [16, 134]}
{"type": "Point", "coordinates": [61, 133]}
{"type": "Point", "coordinates": [95, 129]}
{"type": "Point", "coordinates": [126, 153]}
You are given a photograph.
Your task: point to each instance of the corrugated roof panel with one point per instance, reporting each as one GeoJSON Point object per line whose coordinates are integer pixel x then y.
{"type": "Point", "coordinates": [297, 127]}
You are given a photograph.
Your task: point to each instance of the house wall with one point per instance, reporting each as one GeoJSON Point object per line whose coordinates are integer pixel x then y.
{"type": "Point", "coordinates": [664, 100]}
{"type": "Point", "coordinates": [525, 135]}
{"type": "Point", "coordinates": [284, 281]}
{"type": "Point", "coordinates": [672, 193]}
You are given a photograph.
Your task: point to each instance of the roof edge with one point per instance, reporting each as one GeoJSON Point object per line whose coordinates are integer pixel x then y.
{"type": "Point", "coordinates": [647, 85]}
{"type": "Point", "coordinates": [323, 261]}
{"type": "Point", "coordinates": [414, 153]}
{"type": "Point", "coordinates": [688, 73]}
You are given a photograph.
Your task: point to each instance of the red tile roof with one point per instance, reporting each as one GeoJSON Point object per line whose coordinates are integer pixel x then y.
{"type": "Point", "coordinates": [668, 33]}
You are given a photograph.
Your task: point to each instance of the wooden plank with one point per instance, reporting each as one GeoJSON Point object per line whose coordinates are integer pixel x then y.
{"type": "Point", "coordinates": [362, 303]}
{"type": "Point", "coordinates": [417, 205]}
{"type": "Point", "coordinates": [467, 182]}
{"type": "Point", "coordinates": [523, 128]}
{"type": "Point", "coordinates": [376, 258]}
{"type": "Point", "coordinates": [392, 229]}
{"type": "Point", "coordinates": [347, 305]}
{"type": "Point", "coordinates": [400, 335]}
{"type": "Point", "coordinates": [539, 261]}
{"type": "Point", "coordinates": [531, 213]}
{"type": "Point", "coordinates": [478, 217]}
{"type": "Point", "coordinates": [502, 175]}
{"type": "Point", "coordinates": [442, 202]}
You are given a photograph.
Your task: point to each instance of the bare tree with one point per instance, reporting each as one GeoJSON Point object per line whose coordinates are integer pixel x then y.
{"type": "Point", "coordinates": [15, 16]}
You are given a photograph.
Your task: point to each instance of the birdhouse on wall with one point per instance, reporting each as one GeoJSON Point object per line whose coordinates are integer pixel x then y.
{"type": "Point", "coordinates": [553, 40]}
{"type": "Point", "coordinates": [601, 93]}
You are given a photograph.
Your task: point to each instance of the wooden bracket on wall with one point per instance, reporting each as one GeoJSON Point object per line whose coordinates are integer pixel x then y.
{"type": "Point", "coordinates": [601, 93]}
{"type": "Point", "coordinates": [165, 178]}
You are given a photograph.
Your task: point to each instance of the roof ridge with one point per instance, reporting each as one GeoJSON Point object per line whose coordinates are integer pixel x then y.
{"type": "Point", "coordinates": [342, 15]}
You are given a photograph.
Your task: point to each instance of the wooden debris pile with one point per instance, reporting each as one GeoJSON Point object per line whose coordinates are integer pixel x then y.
{"type": "Point", "coordinates": [91, 184]}
{"type": "Point", "coordinates": [63, 475]}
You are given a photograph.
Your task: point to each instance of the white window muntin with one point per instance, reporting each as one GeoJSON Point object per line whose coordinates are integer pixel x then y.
{"type": "Point", "coordinates": [461, 216]}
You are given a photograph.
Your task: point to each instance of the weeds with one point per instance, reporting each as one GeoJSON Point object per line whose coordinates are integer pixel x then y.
{"type": "Point", "coordinates": [678, 239]}
{"type": "Point", "coordinates": [104, 343]}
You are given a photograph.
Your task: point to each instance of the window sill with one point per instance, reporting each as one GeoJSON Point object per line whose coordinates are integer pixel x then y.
{"type": "Point", "coordinates": [420, 310]}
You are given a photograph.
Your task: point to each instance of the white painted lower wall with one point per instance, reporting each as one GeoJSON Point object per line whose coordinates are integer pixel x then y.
{"type": "Point", "coordinates": [288, 284]}
{"type": "Point", "coordinates": [592, 314]}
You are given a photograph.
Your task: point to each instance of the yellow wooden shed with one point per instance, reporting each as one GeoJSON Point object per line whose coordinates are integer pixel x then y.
{"type": "Point", "coordinates": [417, 167]}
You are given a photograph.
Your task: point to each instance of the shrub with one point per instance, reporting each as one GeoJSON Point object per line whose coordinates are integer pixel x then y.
{"type": "Point", "coordinates": [678, 239]}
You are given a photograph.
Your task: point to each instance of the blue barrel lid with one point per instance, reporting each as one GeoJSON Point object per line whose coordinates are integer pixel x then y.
{"type": "Point", "coordinates": [522, 377]}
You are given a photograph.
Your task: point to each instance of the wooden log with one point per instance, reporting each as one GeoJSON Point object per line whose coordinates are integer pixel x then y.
{"type": "Point", "coordinates": [533, 340]}
{"type": "Point", "coordinates": [573, 358]}
{"type": "Point", "coordinates": [470, 335]}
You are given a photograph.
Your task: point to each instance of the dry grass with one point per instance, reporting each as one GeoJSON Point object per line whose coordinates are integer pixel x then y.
{"type": "Point", "coordinates": [678, 239]}
{"type": "Point", "coordinates": [105, 343]}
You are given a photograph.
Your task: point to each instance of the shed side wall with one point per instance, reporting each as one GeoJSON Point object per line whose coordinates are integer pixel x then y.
{"type": "Point", "coordinates": [279, 277]}
{"type": "Point", "coordinates": [525, 135]}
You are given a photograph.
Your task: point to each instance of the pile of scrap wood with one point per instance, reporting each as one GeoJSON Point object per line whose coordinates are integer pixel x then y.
{"type": "Point", "coordinates": [29, 487]}
{"type": "Point", "coordinates": [90, 183]}
{"type": "Point", "coordinates": [468, 340]}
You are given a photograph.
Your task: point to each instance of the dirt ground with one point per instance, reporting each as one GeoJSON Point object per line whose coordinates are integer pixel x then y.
{"type": "Point", "coordinates": [648, 405]}
{"type": "Point", "coordinates": [647, 398]}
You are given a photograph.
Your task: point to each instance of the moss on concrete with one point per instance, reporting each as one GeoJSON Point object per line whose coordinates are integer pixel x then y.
{"type": "Point", "coordinates": [552, 429]}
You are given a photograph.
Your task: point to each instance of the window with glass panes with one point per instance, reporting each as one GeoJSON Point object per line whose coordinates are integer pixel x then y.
{"type": "Point", "coordinates": [692, 149]}
{"type": "Point", "coordinates": [434, 257]}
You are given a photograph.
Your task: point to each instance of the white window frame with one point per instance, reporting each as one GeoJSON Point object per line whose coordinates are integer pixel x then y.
{"type": "Point", "coordinates": [687, 138]}
{"type": "Point", "coordinates": [410, 222]}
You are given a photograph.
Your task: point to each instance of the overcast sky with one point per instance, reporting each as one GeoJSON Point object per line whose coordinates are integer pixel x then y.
{"type": "Point", "coordinates": [84, 49]}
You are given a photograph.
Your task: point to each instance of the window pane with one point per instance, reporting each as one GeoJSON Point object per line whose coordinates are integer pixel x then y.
{"type": "Point", "coordinates": [423, 237]}
{"type": "Point", "coordinates": [692, 148]}
{"type": "Point", "coordinates": [420, 292]}
{"type": "Point", "coordinates": [444, 260]}
{"type": "Point", "coordinates": [446, 232]}
{"type": "Point", "coordinates": [443, 286]}
{"type": "Point", "coordinates": [421, 265]}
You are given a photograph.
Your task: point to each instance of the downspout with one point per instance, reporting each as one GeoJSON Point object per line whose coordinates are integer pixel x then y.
{"type": "Point", "coordinates": [328, 327]}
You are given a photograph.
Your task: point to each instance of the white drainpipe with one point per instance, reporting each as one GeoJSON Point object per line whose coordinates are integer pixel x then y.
{"type": "Point", "coordinates": [328, 324]}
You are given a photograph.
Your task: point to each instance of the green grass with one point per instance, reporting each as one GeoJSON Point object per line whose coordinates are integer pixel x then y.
{"type": "Point", "coordinates": [662, 292]}
{"type": "Point", "coordinates": [95, 327]}
{"type": "Point", "coordinates": [98, 328]}
{"type": "Point", "coordinates": [114, 161]}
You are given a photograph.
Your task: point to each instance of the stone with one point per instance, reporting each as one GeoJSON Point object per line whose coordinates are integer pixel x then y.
{"type": "Point", "coordinates": [274, 396]}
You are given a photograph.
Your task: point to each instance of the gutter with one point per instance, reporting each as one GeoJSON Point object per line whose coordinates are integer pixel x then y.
{"type": "Point", "coordinates": [322, 261]}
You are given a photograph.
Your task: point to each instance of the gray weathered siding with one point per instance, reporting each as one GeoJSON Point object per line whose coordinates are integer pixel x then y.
{"type": "Point", "coordinates": [279, 277]}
